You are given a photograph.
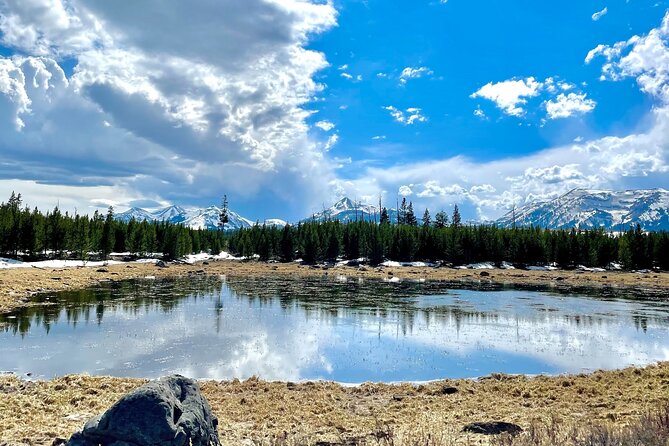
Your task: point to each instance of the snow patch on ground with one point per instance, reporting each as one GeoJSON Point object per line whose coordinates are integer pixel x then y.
{"type": "Point", "coordinates": [593, 270]}
{"type": "Point", "coordinates": [542, 268]}
{"type": "Point", "coordinates": [146, 261]}
{"type": "Point", "coordinates": [482, 265]}
{"type": "Point", "coordinates": [394, 264]}
{"type": "Point", "coordinates": [353, 262]}
{"type": "Point", "coordinates": [204, 256]}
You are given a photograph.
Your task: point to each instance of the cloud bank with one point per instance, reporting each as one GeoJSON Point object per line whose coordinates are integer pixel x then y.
{"type": "Point", "coordinates": [203, 98]}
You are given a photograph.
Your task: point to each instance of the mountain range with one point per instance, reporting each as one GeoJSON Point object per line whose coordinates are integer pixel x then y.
{"type": "Point", "coordinates": [347, 210]}
{"type": "Point", "coordinates": [579, 208]}
{"type": "Point", "coordinates": [588, 209]}
{"type": "Point", "coordinates": [195, 218]}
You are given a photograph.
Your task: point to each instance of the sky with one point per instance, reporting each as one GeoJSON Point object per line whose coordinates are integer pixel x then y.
{"type": "Point", "coordinates": [286, 106]}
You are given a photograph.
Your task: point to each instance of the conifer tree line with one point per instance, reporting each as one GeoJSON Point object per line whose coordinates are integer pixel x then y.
{"type": "Point", "coordinates": [454, 243]}
{"type": "Point", "coordinates": [34, 235]}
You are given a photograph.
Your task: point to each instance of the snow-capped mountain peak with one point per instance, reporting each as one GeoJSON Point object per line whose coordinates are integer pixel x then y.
{"type": "Point", "coordinates": [138, 214]}
{"type": "Point", "coordinates": [195, 218]}
{"type": "Point", "coordinates": [276, 222]}
{"type": "Point", "coordinates": [346, 210]}
{"type": "Point", "coordinates": [586, 209]}
{"type": "Point", "coordinates": [169, 213]}
{"type": "Point", "coordinates": [344, 204]}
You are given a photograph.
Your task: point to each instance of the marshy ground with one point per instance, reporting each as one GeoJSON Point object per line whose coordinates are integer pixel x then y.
{"type": "Point", "coordinates": [255, 412]}
{"type": "Point", "coordinates": [18, 285]}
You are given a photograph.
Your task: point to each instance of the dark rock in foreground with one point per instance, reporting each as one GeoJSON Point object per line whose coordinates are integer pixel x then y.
{"type": "Point", "coordinates": [167, 412]}
{"type": "Point", "coordinates": [493, 428]}
{"type": "Point", "coordinates": [449, 390]}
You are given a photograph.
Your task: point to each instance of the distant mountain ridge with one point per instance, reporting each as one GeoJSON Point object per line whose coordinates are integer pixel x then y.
{"type": "Point", "coordinates": [346, 210]}
{"type": "Point", "coordinates": [588, 209]}
{"type": "Point", "coordinates": [195, 218]}
{"type": "Point", "coordinates": [579, 208]}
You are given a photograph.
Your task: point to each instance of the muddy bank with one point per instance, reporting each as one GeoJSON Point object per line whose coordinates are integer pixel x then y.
{"type": "Point", "coordinates": [254, 411]}
{"type": "Point", "coordinates": [18, 285]}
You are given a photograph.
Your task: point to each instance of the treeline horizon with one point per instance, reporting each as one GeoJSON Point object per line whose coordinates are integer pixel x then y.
{"type": "Point", "coordinates": [33, 234]}
{"type": "Point", "coordinates": [453, 244]}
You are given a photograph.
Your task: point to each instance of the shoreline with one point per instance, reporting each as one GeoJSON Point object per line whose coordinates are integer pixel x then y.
{"type": "Point", "coordinates": [259, 412]}
{"type": "Point", "coordinates": [17, 286]}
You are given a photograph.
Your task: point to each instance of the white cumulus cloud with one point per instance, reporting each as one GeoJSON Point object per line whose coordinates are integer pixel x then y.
{"type": "Point", "coordinates": [568, 105]}
{"type": "Point", "coordinates": [599, 14]}
{"type": "Point", "coordinates": [326, 126]}
{"type": "Point", "coordinates": [510, 95]}
{"type": "Point", "coordinates": [409, 116]}
{"type": "Point", "coordinates": [154, 105]}
{"type": "Point", "coordinates": [405, 191]}
{"type": "Point", "coordinates": [414, 73]}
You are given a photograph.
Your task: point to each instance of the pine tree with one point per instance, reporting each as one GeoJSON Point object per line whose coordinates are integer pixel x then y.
{"type": "Point", "coordinates": [81, 246]}
{"type": "Point", "coordinates": [441, 220]}
{"type": "Point", "coordinates": [456, 220]}
{"type": "Point", "coordinates": [310, 245]}
{"type": "Point", "coordinates": [108, 234]}
{"type": "Point", "coordinates": [224, 216]}
{"type": "Point", "coordinates": [264, 250]}
{"type": "Point", "coordinates": [385, 219]}
{"type": "Point", "coordinates": [410, 216]}
{"type": "Point", "coordinates": [56, 232]}
{"type": "Point", "coordinates": [28, 241]}
{"type": "Point", "coordinates": [333, 247]}
{"type": "Point", "coordinates": [375, 254]}
{"type": "Point", "coordinates": [402, 212]}
{"type": "Point", "coordinates": [13, 235]}
{"type": "Point", "coordinates": [287, 247]}
{"type": "Point", "coordinates": [427, 220]}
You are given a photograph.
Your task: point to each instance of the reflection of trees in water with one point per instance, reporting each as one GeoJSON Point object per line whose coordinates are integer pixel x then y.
{"type": "Point", "coordinates": [91, 304]}
{"type": "Point", "coordinates": [333, 300]}
{"type": "Point", "coordinates": [326, 300]}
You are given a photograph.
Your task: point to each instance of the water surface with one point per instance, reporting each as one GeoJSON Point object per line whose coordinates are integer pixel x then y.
{"type": "Point", "coordinates": [281, 329]}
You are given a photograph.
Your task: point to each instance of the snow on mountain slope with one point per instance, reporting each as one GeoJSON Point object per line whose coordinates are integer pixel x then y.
{"type": "Point", "coordinates": [347, 210]}
{"type": "Point", "coordinates": [174, 214]}
{"type": "Point", "coordinates": [208, 219]}
{"type": "Point", "coordinates": [585, 209]}
{"type": "Point", "coordinates": [276, 222]}
{"type": "Point", "coordinates": [136, 213]}
{"type": "Point", "coordinates": [194, 218]}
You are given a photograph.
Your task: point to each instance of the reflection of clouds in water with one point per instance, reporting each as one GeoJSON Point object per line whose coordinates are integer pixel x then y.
{"type": "Point", "coordinates": [273, 356]}
{"type": "Point", "coordinates": [554, 340]}
{"type": "Point", "coordinates": [182, 341]}
{"type": "Point", "coordinates": [344, 337]}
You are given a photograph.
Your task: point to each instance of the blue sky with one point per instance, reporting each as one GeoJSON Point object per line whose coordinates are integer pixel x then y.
{"type": "Point", "coordinates": [466, 45]}
{"type": "Point", "coordinates": [287, 105]}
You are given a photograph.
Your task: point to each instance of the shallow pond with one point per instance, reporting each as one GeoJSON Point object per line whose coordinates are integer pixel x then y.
{"type": "Point", "coordinates": [280, 329]}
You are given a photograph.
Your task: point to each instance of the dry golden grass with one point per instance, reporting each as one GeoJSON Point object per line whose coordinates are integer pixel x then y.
{"type": "Point", "coordinates": [255, 412]}
{"type": "Point", "coordinates": [17, 285]}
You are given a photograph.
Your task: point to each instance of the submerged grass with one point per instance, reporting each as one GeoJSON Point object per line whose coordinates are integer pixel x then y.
{"type": "Point", "coordinates": [18, 285]}
{"type": "Point", "coordinates": [623, 407]}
